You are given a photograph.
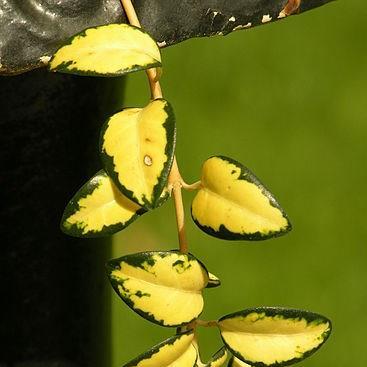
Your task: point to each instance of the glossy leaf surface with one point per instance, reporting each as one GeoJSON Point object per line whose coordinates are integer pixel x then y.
{"type": "Point", "coordinates": [270, 336]}
{"type": "Point", "coordinates": [163, 287]}
{"type": "Point", "coordinates": [110, 50]}
{"type": "Point", "coordinates": [98, 209]}
{"type": "Point", "coordinates": [177, 351]}
{"type": "Point", "coordinates": [137, 148]}
{"type": "Point", "coordinates": [232, 204]}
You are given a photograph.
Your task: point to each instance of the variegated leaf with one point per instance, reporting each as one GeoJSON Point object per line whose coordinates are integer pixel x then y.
{"type": "Point", "coordinates": [232, 204]}
{"type": "Point", "coordinates": [108, 50]}
{"type": "Point", "coordinates": [214, 281]}
{"type": "Point", "coordinates": [269, 336]}
{"type": "Point", "coordinates": [218, 359]}
{"type": "Point", "coordinates": [177, 351]}
{"type": "Point", "coordinates": [137, 148]}
{"type": "Point", "coordinates": [235, 362]}
{"type": "Point", "coordinates": [163, 287]}
{"type": "Point", "coordinates": [98, 209]}
{"type": "Point", "coordinates": [165, 195]}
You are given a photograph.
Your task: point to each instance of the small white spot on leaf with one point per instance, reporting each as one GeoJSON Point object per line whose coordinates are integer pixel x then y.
{"type": "Point", "coordinates": [232, 19]}
{"type": "Point", "coordinates": [148, 160]}
{"type": "Point", "coordinates": [266, 18]}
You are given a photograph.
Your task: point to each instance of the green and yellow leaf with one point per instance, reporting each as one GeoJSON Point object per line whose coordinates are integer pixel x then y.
{"type": "Point", "coordinates": [98, 209]}
{"type": "Point", "coordinates": [214, 281]}
{"type": "Point", "coordinates": [165, 195]}
{"type": "Point", "coordinates": [232, 204]}
{"type": "Point", "coordinates": [235, 362]}
{"type": "Point", "coordinates": [108, 50]}
{"type": "Point", "coordinates": [177, 351]}
{"type": "Point", "coordinates": [163, 287]}
{"type": "Point", "coordinates": [218, 359]}
{"type": "Point", "coordinates": [270, 336]}
{"type": "Point", "coordinates": [137, 147]}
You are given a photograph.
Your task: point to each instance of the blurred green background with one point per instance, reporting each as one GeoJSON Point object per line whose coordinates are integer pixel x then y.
{"type": "Point", "coordinates": [288, 100]}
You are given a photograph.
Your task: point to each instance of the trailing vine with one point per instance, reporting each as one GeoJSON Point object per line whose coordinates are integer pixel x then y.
{"type": "Point", "coordinates": [140, 173]}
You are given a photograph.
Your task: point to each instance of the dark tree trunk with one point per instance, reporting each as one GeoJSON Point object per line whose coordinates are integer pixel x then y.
{"type": "Point", "coordinates": [54, 308]}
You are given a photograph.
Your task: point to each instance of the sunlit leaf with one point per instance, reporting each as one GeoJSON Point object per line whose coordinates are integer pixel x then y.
{"type": "Point", "coordinates": [235, 362]}
{"type": "Point", "coordinates": [163, 287]}
{"type": "Point", "coordinates": [98, 209]}
{"type": "Point", "coordinates": [177, 351]}
{"type": "Point", "coordinates": [108, 50]}
{"type": "Point", "coordinates": [214, 281]}
{"type": "Point", "coordinates": [137, 147]}
{"type": "Point", "coordinates": [270, 336]}
{"type": "Point", "coordinates": [232, 204]}
{"type": "Point", "coordinates": [218, 359]}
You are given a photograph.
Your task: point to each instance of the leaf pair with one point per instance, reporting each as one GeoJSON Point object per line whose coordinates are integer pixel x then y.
{"type": "Point", "coordinates": [166, 288]}
{"type": "Point", "coordinates": [255, 337]}
{"type": "Point", "coordinates": [137, 148]}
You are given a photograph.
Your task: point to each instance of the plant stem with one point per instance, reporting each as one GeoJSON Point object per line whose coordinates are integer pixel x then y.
{"type": "Point", "coordinates": [204, 323]}
{"type": "Point", "coordinates": [174, 180]}
{"type": "Point", "coordinates": [155, 88]}
{"type": "Point", "coordinates": [191, 187]}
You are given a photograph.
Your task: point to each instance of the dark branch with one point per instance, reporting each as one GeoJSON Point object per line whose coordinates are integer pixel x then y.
{"type": "Point", "coordinates": [32, 31]}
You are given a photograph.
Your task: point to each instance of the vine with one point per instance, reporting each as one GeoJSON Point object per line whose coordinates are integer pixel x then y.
{"type": "Point", "coordinates": [140, 173]}
{"type": "Point", "coordinates": [175, 180]}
